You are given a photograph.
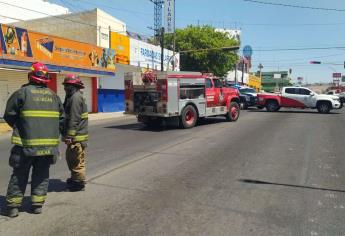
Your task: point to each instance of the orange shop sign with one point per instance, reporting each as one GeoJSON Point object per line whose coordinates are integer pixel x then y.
{"type": "Point", "coordinates": [19, 44]}
{"type": "Point", "coordinates": [120, 43]}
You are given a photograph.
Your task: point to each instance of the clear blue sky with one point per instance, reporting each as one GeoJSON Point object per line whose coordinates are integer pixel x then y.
{"type": "Point", "coordinates": [263, 27]}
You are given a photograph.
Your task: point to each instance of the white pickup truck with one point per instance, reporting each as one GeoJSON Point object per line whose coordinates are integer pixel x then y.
{"type": "Point", "coordinates": [339, 94]}
{"type": "Point", "coordinates": [299, 97]}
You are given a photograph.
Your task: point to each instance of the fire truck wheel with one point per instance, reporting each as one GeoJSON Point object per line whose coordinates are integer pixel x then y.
{"type": "Point", "coordinates": [189, 117]}
{"type": "Point", "coordinates": [234, 112]}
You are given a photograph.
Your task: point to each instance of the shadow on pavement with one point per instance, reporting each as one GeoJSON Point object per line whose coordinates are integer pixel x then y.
{"type": "Point", "coordinates": [140, 127]}
{"type": "Point", "coordinates": [56, 185]}
{"type": "Point", "coordinates": [3, 205]}
{"type": "Point", "coordinates": [253, 181]}
{"type": "Point", "coordinates": [162, 127]}
{"type": "Point", "coordinates": [26, 205]}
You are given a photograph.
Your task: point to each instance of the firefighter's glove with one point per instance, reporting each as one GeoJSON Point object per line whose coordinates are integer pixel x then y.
{"type": "Point", "coordinates": [68, 140]}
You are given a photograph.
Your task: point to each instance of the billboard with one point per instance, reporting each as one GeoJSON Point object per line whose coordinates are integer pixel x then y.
{"type": "Point", "coordinates": [169, 16]}
{"type": "Point", "coordinates": [147, 55]}
{"type": "Point", "coordinates": [336, 75]}
{"type": "Point", "coordinates": [120, 43]}
{"type": "Point", "coordinates": [20, 44]}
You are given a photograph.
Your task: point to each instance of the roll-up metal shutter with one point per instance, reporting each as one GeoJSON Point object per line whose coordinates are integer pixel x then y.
{"type": "Point", "coordinates": [10, 81]}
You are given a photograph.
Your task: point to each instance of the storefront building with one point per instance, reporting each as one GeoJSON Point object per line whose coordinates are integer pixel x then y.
{"type": "Point", "coordinates": [20, 47]}
{"type": "Point", "coordinates": [100, 28]}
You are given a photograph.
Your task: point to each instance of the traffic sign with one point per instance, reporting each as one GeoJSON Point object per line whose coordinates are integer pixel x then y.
{"type": "Point", "coordinates": [336, 75]}
{"type": "Point", "coordinates": [277, 76]}
{"type": "Point", "coordinates": [247, 51]}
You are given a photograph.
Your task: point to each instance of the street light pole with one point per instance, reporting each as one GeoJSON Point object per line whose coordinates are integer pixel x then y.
{"type": "Point", "coordinates": [260, 69]}
{"type": "Point", "coordinates": [162, 48]}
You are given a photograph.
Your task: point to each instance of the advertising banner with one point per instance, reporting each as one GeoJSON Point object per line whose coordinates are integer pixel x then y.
{"type": "Point", "coordinates": [336, 75]}
{"type": "Point", "coordinates": [120, 43]}
{"type": "Point", "coordinates": [169, 16]}
{"type": "Point", "coordinates": [146, 55]}
{"type": "Point", "coordinates": [20, 44]}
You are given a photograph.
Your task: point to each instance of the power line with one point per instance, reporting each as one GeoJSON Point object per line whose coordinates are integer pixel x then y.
{"type": "Point", "coordinates": [299, 49]}
{"type": "Point", "coordinates": [299, 59]}
{"type": "Point", "coordinates": [114, 8]}
{"type": "Point", "coordinates": [117, 9]}
{"type": "Point", "coordinates": [58, 17]}
{"type": "Point", "coordinates": [295, 6]}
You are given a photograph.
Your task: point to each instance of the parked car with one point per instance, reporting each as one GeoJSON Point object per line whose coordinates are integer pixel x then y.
{"type": "Point", "coordinates": [341, 95]}
{"type": "Point", "coordinates": [248, 96]}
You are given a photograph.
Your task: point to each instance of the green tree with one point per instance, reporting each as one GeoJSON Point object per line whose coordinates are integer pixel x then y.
{"type": "Point", "coordinates": [216, 61]}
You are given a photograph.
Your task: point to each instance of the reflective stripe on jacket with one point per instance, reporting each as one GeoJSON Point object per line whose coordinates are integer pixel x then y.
{"type": "Point", "coordinates": [36, 115]}
{"type": "Point", "coordinates": [76, 123]}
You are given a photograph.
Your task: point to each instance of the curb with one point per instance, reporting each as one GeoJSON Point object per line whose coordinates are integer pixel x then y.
{"type": "Point", "coordinates": [5, 128]}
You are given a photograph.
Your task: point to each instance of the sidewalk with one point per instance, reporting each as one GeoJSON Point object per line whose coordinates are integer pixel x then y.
{"type": "Point", "coordinates": [4, 128]}
{"type": "Point", "coordinates": [106, 115]}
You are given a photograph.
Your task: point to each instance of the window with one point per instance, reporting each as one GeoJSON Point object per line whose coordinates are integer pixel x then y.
{"type": "Point", "coordinates": [247, 90]}
{"type": "Point", "coordinates": [217, 83]}
{"type": "Point", "coordinates": [192, 91]}
{"type": "Point", "coordinates": [291, 90]}
{"type": "Point", "coordinates": [209, 83]}
{"type": "Point", "coordinates": [304, 91]}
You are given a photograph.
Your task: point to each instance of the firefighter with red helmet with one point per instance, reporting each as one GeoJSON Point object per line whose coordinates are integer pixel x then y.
{"type": "Point", "coordinates": [75, 131]}
{"type": "Point", "coordinates": [36, 115]}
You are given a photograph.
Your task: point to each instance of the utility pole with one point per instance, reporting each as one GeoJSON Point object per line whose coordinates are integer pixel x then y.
{"type": "Point", "coordinates": [236, 72]}
{"type": "Point", "coordinates": [242, 70]}
{"type": "Point", "coordinates": [162, 48]}
{"type": "Point", "coordinates": [260, 69]}
{"type": "Point", "coordinates": [158, 5]}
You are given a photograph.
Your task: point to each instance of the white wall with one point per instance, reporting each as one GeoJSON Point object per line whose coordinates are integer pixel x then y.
{"type": "Point", "coordinates": [106, 22]}
{"type": "Point", "coordinates": [147, 55]}
{"type": "Point", "coordinates": [230, 76]}
{"type": "Point", "coordinates": [117, 82]}
{"type": "Point", "coordinates": [14, 14]}
{"type": "Point", "coordinates": [88, 26]}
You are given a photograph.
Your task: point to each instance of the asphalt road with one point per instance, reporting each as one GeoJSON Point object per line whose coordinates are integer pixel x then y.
{"type": "Point", "coordinates": [267, 174]}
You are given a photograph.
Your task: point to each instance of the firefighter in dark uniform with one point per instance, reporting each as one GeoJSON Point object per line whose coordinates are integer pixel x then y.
{"type": "Point", "coordinates": [36, 115]}
{"type": "Point", "coordinates": [75, 132]}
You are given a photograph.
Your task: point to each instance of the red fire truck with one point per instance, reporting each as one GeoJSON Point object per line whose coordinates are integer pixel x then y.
{"type": "Point", "coordinates": [182, 97]}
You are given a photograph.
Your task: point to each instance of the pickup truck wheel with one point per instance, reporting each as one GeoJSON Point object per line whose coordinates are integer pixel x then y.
{"type": "Point", "coordinates": [272, 106]}
{"type": "Point", "coordinates": [234, 112]}
{"type": "Point", "coordinates": [323, 107]}
{"type": "Point", "coordinates": [189, 117]}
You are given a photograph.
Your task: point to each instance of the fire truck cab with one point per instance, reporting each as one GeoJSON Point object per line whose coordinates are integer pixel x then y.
{"type": "Point", "coordinates": [183, 97]}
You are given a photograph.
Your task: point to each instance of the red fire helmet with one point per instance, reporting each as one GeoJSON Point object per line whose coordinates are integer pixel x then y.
{"type": "Point", "coordinates": [39, 73]}
{"type": "Point", "coordinates": [73, 79]}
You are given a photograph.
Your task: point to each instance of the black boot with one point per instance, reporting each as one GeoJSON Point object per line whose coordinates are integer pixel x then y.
{"type": "Point", "coordinates": [75, 186]}
{"type": "Point", "coordinates": [36, 209]}
{"type": "Point", "coordinates": [12, 212]}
